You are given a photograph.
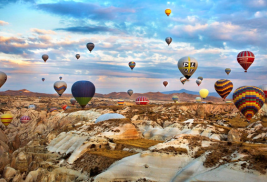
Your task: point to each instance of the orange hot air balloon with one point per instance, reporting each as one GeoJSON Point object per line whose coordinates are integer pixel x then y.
{"type": "Point", "coordinates": [6, 119]}
{"type": "Point", "coordinates": [165, 83]}
{"type": "Point", "coordinates": [168, 12]}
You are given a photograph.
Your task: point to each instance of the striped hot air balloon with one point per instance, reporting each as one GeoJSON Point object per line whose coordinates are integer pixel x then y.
{"type": "Point", "coordinates": [141, 100]}
{"type": "Point", "coordinates": [60, 87]}
{"type": "Point", "coordinates": [121, 102]}
{"type": "Point", "coordinates": [53, 109]}
{"type": "Point", "coordinates": [245, 59]}
{"type": "Point", "coordinates": [228, 102]}
{"type": "Point", "coordinates": [175, 98]}
{"type": "Point", "coordinates": [227, 71]}
{"type": "Point", "coordinates": [183, 79]}
{"type": "Point", "coordinates": [132, 65]}
{"type": "Point", "coordinates": [25, 119]}
{"type": "Point", "coordinates": [83, 91]}
{"type": "Point", "coordinates": [6, 119]}
{"type": "Point", "coordinates": [249, 100]}
{"type": "Point", "coordinates": [223, 87]}
{"type": "Point", "coordinates": [198, 99]}
{"type": "Point", "coordinates": [64, 107]}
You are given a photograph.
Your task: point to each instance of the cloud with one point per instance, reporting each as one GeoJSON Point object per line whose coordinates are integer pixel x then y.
{"type": "Point", "coordinates": [89, 30]}
{"type": "Point", "coordinates": [6, 2]}
{"type": "Point", "coordinates": [41, 32]}
{"type": "Point", "coordinates": [2, 23]}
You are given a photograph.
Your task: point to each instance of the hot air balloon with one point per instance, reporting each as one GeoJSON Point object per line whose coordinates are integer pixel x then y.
{"type": "Point", "coordinates": [198, 99]}
{"type": "Point", "coordinates": [64, 107]}
{"type": "Point", "coordinates": [60, 77]}
{"type": "Point", "coordinates": [203, 93]}
{"type": "Point", "coordinates": [83, 91]}
{"type": "Point", "coordinates": [25, 119]}
{"type": "Point", "coordinates": [132, 64]}
{"type": "Point", "coordinates": [187, 66]}
{"type": "Point", "coordinates": [227, 71]}
{"type": "Point", "coordinates": [200, 78]}
{"type": "Point", "coordinates": [198, 82]}
{"type": "Point", "coordinates": [183, 79]}
{"type": "Point", "coordinates": [43, 79]}
{"type": "Point", "coordinates": [168, 12]}
{"type": "Point", "coordinates": [77, 56]}
{"type": "Point", "coordinates": [228, 102]}
{"type": "Point", "coordinates": [264, 89]}
{"type": "Point", "coordinates": [45, 57]}
{"type": "Point", "coordinates": [6, 119]}
{"type": "Point", "coordinates": [53, 109]}
{"type": "Point", "coordinates": [249, 100]}
{"type": "Point", "coordinates": [245, 59]}
{"type": "Point", "coordinates": [121, 102]}
{"type": "Point", "coordinates": [223, 87]}
{"type": "Point", "coordinates": [141, 100]}
{"type": "Point", "coordinates": [175, 98]}
{"type": "Point", "coordinates": [90, 46]}
{"type": "Point", "coordinates": [130, 92]}
{"type": "Point", "coordinates": [168, 40]}
{"type": "Point", "coordinates": [165, 83]}
{"type": "Point", "coordinates": [32, 107]}
{"type": "Point", "coordinates": [73, 101]}
{"type": "Point", "coordinates": [60, 87]}
{"type": "Point", "coordinates": [3, 78]}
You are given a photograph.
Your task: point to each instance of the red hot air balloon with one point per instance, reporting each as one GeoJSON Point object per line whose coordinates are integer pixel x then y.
{"type": "Point", "coordinates": [245, 59]}
{"type": "Point", "coordinates": [165, 83]}
{"type": "Point", "coordinates": [64, 107]}
{"type": "Point", "coordinates": [25, 119]}
{"type": "Point", "coordinates": [141, 100]}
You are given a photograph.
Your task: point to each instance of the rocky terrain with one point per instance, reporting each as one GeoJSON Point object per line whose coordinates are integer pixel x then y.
{"type": "Point", "coordinates": [158, 142]}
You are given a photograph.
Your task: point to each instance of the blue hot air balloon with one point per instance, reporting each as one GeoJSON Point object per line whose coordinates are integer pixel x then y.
{"type": "Point", "coordinates": [60, 77]}
{"type": "Point", "coordinates": [83, 91]}
{"type": "Point", "coordinates": [43, 79]}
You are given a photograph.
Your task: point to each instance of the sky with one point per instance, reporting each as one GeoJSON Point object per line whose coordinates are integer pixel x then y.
{"type": "Point", "coordinates": [211, 31]}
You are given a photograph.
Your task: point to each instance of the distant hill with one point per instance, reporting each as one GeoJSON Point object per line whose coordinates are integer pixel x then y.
{"type": "Point", "coordinates": [184, 95]}
{"type": "Point", "coordinates": [214, 94]}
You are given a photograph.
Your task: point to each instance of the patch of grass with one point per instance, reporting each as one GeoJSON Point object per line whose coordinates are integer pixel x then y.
{"type": "Point", "coordinates": [114, 154]}
{"type": "Point", "coordinates": [141, 143]}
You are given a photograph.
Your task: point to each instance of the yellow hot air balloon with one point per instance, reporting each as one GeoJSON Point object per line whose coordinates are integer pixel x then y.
{"type": "Point", "coordinates": [203, 93]}
{"type": "Point", "coordinates": [168, 12]}
{"type": "Point", "coordinates": [6, 119]}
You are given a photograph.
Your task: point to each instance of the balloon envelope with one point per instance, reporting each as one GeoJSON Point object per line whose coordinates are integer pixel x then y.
{"type": "Point", "coordinates": [175, 98]}
{"type": "Point", "coordinates": [121, 102]}
{"type": "Point", "coordinates": [187, 66]}
{"type": "Point", "coordinates": [245, 59]}
{"type": "Point", "coordinates": [200, 78]}
{"type": "Point", "coordinates": [203, 93]}
{"type": "Point", "coordinates": [53, 109]}
{"type": "Point", "coordinates": [165, 83]}
{"type": "Point", "coordinates": [141, 100]}
{"type": "Point", "coordinates": [198, 99]}
{"type": "Point", "coordinates": [64, 107]}
{"type": "Point", "coordinates": [60, 77]}
{"type": "Point", "coordinates": [83, 91]}
{"type": "Point", "coordinates": [73, 101]}
{"type": "Point", "coordinates": [77, 56]}
{"type": "Point", "coordinates": [130, 92]}
{"type": "Point", "coordinates": [198, 82]}
{"type": "Point", "coordinates": [168, 40]}
{"type": "Point", "coordinates": [168, 12]}
{"type": "Point", "coordinates": [183, 80]}
{"type": "Point", "coordinates": [60, 87]}
{"type": "Point", "coordinates": [249, 100]}
{"type": "Point", "coordinates": [227, 71]}
{"type": "Point", "coordinates": [3, 78]}
{"type": "Point", "coordinates": [223, 87]}
{"type": "Point", "coordinates": [25, 119]}
{"type": "Point", "coordinates": [43, 79]}
{"type": "Point", "coordinates": [132, 65]}
{"type": "Point", "coordinates": [45, 57]}
{"type": "Point", "coordinates": [90, 46]}
{"type": "Point", "coordinates": [6, 119]}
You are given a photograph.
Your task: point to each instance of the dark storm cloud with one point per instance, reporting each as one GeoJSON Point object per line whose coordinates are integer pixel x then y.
{"type": "Point", "coordinates": [88, 30]}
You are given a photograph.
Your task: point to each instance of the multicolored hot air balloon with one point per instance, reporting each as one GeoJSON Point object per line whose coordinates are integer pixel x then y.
{"type": "Point", "coordinates": [77, 56]}
{"type": "Point", "coordinates": [183, 79]}
{"type": "Point", "coordinates": [132, 65]}
{"type": "Point", "coordinates": [6, 119]}
{"type": "Point", "coordinates": [168, 40]}
{"type": "Point", "coordinates": [187, 66]}
{"type": "Point", "coordinates": [73, 101]}
{"type": "Point", "coordinates": [90, 46]}
{"type": "Point", "coordinates": [43, 79]}
{"type": "Point", "coordinates": [64, 107]}
{"type": "Point", "coordinates": [203, 93]}
{"type": "Point", "coordinates": [53, 109]}
{"type": "Point", "coordinates": [168, 12]}
{"type": "Point", "coordinates": [200, 78]}
{"type": "Point", "coordinates": [249, 100]}
{"type": "Point", "coordinates": [60, 87]}
{"type": "Point", "coordinates": [175, 98]}
{"type": "Point", "coordinates": [25, 119]}
{"type": "Point", "coordinates": [83, 91]}
{"type": "Point", "coordinates": [198, 99]}
{"type": "Point", "coordinates": [165, 83]}
{"type": "Point", "coordinates": [45, 57]}
{"type": "Point", "coordinates": [141, 100]}
{"type": "Point", "coordinates": [3, 78]}
{"type": "Point", "coordinates": [130, 92]}
{"type": "Point", "coordinates": [245, 59]}
{"type": "Point", "coordinates": [227, 71]}
{"type": "Point", "coordinates": [198, 82]}
{"type": "Point", "coordinates": [60, 77]}
{"type": "Point", "coordinates": [121, 102]}
{"type": "Point", "coordinates": [223, 87]}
